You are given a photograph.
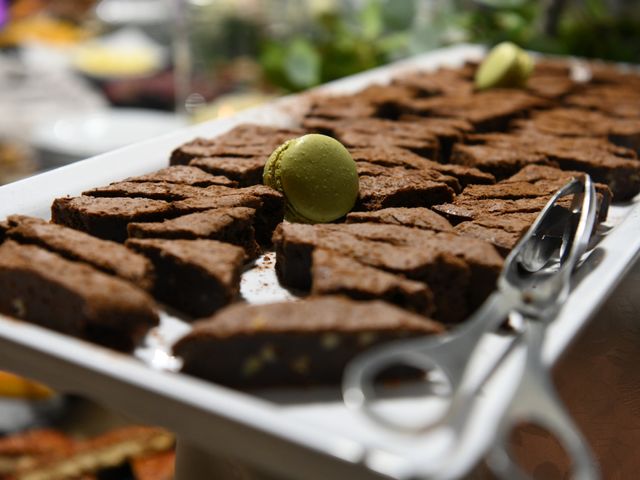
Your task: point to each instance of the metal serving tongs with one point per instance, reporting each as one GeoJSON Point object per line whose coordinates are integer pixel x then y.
{"type": "Point", "coordinates": [532, 287]}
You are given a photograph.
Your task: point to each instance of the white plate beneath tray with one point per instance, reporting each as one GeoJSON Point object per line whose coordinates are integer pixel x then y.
{"type": "Point", "coordinates": [300, 433]}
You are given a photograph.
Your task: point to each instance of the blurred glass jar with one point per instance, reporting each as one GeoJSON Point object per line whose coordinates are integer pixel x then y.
{"type": "Point", "coordinates": [216, 47]}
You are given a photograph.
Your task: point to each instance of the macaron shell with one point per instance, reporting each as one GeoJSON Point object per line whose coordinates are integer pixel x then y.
{"type": "Point", "coordinates": [524, 67]}
{"type": "Point", "coordinates": [497, 67]}
{"type": "Point", "coordinates": [271, 173]}
{"type": "Point", "coordinates": [506, 65]}
{"type": "Point", "coordinates": [319, 178]}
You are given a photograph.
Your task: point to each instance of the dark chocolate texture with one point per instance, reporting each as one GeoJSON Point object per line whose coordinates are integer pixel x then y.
{"type": "Point", "coordinates": [232, 225]}
{"type": "Point", "coordinates": [109, 257]}
{"type": "Point", "coordinates": [460, 271]}
{"type": "Point", "coordinates": [292, 343]}
{"type": "Point", "coordinates": [184, 175]}
{"type": "Point", "coordinates": [107, 217]}
{"type": "Point", "coordinates": [194, 276]}
{"type": "Point", "coordinates": [333, 273]}
{"type": "Point", "coordinates": [71, 297]}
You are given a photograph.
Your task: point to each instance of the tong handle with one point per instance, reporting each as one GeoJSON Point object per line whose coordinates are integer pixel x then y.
{"type": "Point", "coordinates": [449, 354]}
{"type": "Point", "coordinates": [535, 400]}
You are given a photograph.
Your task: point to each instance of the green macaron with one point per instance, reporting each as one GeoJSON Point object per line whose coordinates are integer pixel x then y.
{"type": "Point", "coordinates": [506, 65]}
{"type": "Point", "coordinates": [317, 176]}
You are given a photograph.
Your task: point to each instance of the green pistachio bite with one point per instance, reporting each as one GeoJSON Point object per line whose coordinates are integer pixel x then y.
{"type": "Point", "coordinates": [317, 176]}
{"type": "Point", "coordinates": [506, 65]}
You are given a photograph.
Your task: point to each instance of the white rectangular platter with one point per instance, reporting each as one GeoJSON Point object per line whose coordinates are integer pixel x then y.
{"type": "Point", "coordinates": [299, 433]}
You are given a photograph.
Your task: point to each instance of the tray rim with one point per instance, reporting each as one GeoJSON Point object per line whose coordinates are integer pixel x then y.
{"type": "Point", "coordinates": [124, 383]}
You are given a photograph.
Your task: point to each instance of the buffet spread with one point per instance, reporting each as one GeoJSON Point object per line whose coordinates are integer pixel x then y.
{"type": "Point", "coordinates": [175, 254]}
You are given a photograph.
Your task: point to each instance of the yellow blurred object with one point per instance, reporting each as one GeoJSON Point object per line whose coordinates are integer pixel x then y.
{"type": "Point", "coordinates": [99, 61]}
{"type": "Point", "coordinates": [41, 28]}
{"type": "Point", "coordinates": [17, 387]}
{"type": "Point", "coordinates": [230, 104]}
{"type": "Point", "coordinates": [16, 161]}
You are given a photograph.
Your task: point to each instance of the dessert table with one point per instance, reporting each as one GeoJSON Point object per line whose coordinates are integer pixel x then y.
{"type": "Point", "coordinates": [593, 348]}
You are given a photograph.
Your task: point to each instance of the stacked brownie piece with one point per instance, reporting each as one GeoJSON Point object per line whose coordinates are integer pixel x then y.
{"type": "Point", "coordinates": [502, 213]}
{"type": "Point", "coordinates": [504, 154]}
{"type": "Point", "coordinates": [196, 277]}
{"type": "Point", "coordinates": [616, 99]}
{"type": "Point", "coordinates": [459, 271]}
{"type": "Point", "coordinates": [75, 283]}
{"type": "Point", "coordinates": [575, 122]}
{"type": "Point", "coordinates": [552, 80]}
{"type": "Point", "coordinates": [292, 343]}
{"type": "Point", "coordinates": [490, 110]}
{"type": "Point", "coordinates": [239, 154]}
{"type": "Point", "coordinates": [197, 232]}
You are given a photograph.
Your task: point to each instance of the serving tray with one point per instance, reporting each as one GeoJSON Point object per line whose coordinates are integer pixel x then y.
{"type": "Point", "coordinates": [296, 433]}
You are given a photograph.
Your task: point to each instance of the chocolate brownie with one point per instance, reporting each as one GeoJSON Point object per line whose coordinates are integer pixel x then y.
{"type": "Point", "coordinates": [247, 135]}
{"type": "Point", "coordinates": [542, 175]}
{"type": "Point", "coordinates": [377, 132]}
{"type": "Point", "coordinates": [244, 170]}
{"type": "Point", "coordinates": [210, 202]}
{"type": "Point", "coordinates": [460, 271]}
{"type": "Point", "coordinates": [269, 205]}
{"type": "Point", "coordinates": [399, 157]}
{"type": "Point", "coordinates": [333, 273]}
{"type": "Point", "coordinates": [239, 154]}
{"type": "Point", "coordinates": [513, 189]}
{"type": "Point", "coordinates": [265, 220]}
{"type": "Point", "coordinates": [409, 217]}
{"type": "Point", "coordinates": [194, 276]}
{"type": "Point", "coordinates": [109, 257]}
{"type": "Point", "coordinates": [107, 217]}
{"type": "Point", "coordinates": [576, 122]}
{"type": "Point", "coordinates": [464, 210]}
{"type": "Point", "coordinates": [398, 187]}
{"type": "Point", "coordinates": [370, 169]}
{"type": "Point", "coordinates": [292, 343]}
{"type": "Point", "coordinates": [71, 297]}
{"type": "Point", "coordinates": [503, 212]}
{"type": "Point", "coordinates": [615, 100]}
{"type": "Point", "coordinates": [168, 192]}
{"type": "Point", "coordinates": [341, 107]}
{"type": "Point", "coordinates": [184, 175]}
{"type": "Point", "coordinates": [548, 143]}
{"type": "Point", "coordinates": [444, 81]}
{"type": "Point", "coordinates": [502, 231]}
{"type": "Point", "coordinates": [550, 67]}
{"type": "Point", "coordinates": [231, 225]}
{"type": "Point", "coordinates": [373, 101]}
{"type": "Point", "coordinates": [497, 160]}
{"type": "Point", "coordinates": [524, 193]}
{"type": "Point", "coordinates": [448, 131]}
{"type": "Point", "coordinates": [612, 74]}
{"type": "Point", "coordinates": [615, 166]}
{"type": "Point", "coordinates": [489, 110]}
{"type": "Point", "coordinates": [553, 87]}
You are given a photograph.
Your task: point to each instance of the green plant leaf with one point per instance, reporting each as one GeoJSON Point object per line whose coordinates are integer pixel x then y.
{"type": "Point", "coordinates": [371, 18]}
{"type": "Point", "coordinates": [302, 64]}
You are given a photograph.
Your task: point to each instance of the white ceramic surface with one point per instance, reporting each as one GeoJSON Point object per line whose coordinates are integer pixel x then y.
{"type": "Point", "coordinates": [83, 135]}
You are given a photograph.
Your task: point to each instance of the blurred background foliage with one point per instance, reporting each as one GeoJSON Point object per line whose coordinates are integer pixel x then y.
{"type": "Point", "coordinates": [347, 37]}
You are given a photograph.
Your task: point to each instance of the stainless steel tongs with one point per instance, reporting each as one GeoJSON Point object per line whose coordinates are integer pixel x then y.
{"type": "Point", "coordinates": [532, 288]}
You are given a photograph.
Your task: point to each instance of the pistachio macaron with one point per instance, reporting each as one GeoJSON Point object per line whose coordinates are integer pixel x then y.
{"type": "Point", "coordinates": [317, 176]}
{"type": "Point", "coordinates": [506, 65]}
